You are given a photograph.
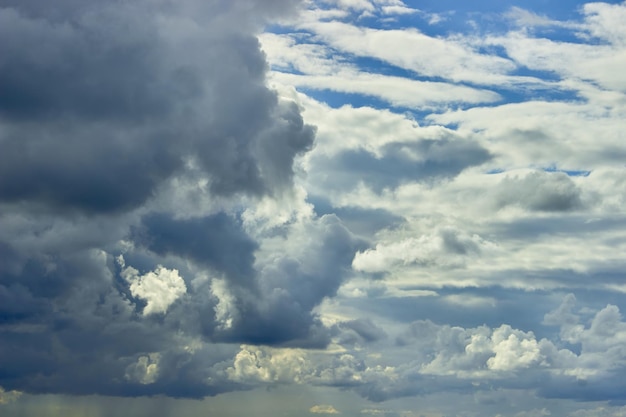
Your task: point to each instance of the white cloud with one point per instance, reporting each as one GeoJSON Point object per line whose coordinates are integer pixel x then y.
{"type": "Point", "coordinates": [259, 364]}
{"type": "Point", "coordinates": [225, 309]}
{"type": "Point", "coordinates": [606, 21]}
{"type": "Point", "coordinates": [602, 343]}
{"type": "Point", "coordinates": [145, 370]}
{"type": "Point", "coordinates": [485, 353]}
{"type": "Point", "coordinates": [446, 247]}
{"type": "Point", "coordinates": [410, 49]}
{"type": "Point", "coordinates": [528, 19]}
{"type": "Point", "coordinates": [159, 288]}
{"type": "Point", "coordinates": [323, 409]}
{"type": "Point", "coordinates": [319, 67]}
{"type": "Point", "coordinates": [397, 91]}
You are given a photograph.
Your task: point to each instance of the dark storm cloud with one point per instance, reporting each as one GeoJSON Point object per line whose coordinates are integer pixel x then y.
{"type": "Point", "coordinates": [103, 106]}
{"type": "Point", "coordinates": [422, 161]}
{"type": "Point", "coordinates": [215, 241]}
{"type": "Point", "coordinates": [291, 285]}
{"type": "Point", "coordinates": [273, 298]}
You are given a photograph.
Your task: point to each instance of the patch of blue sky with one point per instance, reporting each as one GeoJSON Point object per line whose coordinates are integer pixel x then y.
{"type": "Point", "coordinates": [569, 172]}
{"type": "Point", "coordinates": [432, 24]}
{"type": "Point", "coordinates": [377, 66]}
{"type": "Point", "coordinates": [562, 10]}
{"type": "Point", "coordinates": [436, 19]}
{"type": "Point", "coordinates": [279, 29]}
{"type": "Point", "coordinates": [337, 99]}
{"type": "Point", "coordinates": [521, 94]}
{"type": "Point", "coordinates": [564, 35]}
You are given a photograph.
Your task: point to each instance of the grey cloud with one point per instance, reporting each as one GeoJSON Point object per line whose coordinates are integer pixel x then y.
{"type": "Point", "coordinates": [216, 241]}
{"type": "Point", "coordinates": [421, 161]}
{"type": "Point", "coordinates": [102, 104]}
{"type": "Point", "coordinates": [292, 284]}
{"type": "Point", "coordinates": [77, 333]}
{"type": "Point", "coordinates": [273, 297]}
{"type": "Point", "coordinates": [359, 220]}
{"type": "Point", "coordinates": [563, 225]}
{"type": "Point", "coordinates": [365, 328]}
{"type": "Point", "coordinates": [539, 191]}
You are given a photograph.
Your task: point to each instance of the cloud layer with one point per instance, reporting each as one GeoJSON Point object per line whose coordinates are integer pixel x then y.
{"type": "Point", "coordinates": [403, 209]}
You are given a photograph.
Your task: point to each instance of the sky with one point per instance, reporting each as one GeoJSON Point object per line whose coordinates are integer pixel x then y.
{"type": "Point", "coordinates": [292, 208]}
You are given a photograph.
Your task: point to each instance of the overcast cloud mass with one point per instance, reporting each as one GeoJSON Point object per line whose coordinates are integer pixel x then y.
{"type": "Point", "coordinates": [322, 207]}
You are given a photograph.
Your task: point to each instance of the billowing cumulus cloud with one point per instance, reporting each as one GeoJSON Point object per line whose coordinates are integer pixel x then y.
{"type": "Point", "coordinates": [136, 94]}
{"type": "Point", "coordinates": [159, 288]}
{"type": "Point", "coordinates": [104, 109]}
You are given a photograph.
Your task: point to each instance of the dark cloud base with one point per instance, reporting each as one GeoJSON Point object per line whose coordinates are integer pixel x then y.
{"type": "Point", "coordinates": [102, 106]}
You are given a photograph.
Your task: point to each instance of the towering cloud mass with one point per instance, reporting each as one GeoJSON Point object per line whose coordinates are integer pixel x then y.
{"type": "Point", "coordinates": [116, 118]}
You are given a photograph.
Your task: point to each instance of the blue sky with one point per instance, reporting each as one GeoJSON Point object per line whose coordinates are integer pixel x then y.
{"type": "Point", "coordinates": [323, 207]}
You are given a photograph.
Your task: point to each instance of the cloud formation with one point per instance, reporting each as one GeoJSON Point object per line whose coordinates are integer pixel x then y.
{"type": "Point", "coordinates": [395, 208]}
{"type": "Point", "coordinates": [106, 109]}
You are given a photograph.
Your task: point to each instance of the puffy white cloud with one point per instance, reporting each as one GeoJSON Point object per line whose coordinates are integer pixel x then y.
{"type": "Point", "coordinates": [159, 288]}
{"type": "Point", "coordinates": [480, 352]}
{"type": "Point", "coordinates": [513, 351]}
{"type": "Point", "coordinates": [145, 370]}
{"type": "Point", "coordinates": [256, 364]}
{"type": "Point", "coordinates": [602, 343]}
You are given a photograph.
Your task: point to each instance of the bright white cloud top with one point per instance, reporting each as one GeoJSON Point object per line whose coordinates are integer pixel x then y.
{"type": "Point", "coordinates": [341, 207]}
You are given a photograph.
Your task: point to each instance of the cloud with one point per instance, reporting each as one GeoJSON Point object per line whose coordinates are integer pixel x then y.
{"type": "Point", "coordinates": [397, 91]}
{"type": "Point", "coordinates": [253, 364]}
{"type": "Point", "coordinates": [128, 113]}
{"type": "Point", "coordinates": [159, 288]}
{"type": "Point", "coordinates": [8, 397]}
{"type": "Point", "coordinates": [446, 247]}
{"type": "Point", "coordinates": [116, 120]}
{"type": "Point", "coordinates": [399, 163]}
{"type": "Point", "coordinates": [541, 191]}
{"type": "Point", "coordinates": [366, 329]}
{"type": "Point", "coordinates": [188, 209]}
{"type": "Point", "coordinates": [323, 409]}
{"type": "Point", "coordinates": [145, 370]}
{"type": "Point", "coordinates": [414, 51]}
{"type": "Point", "coordinates": [217, 241]}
